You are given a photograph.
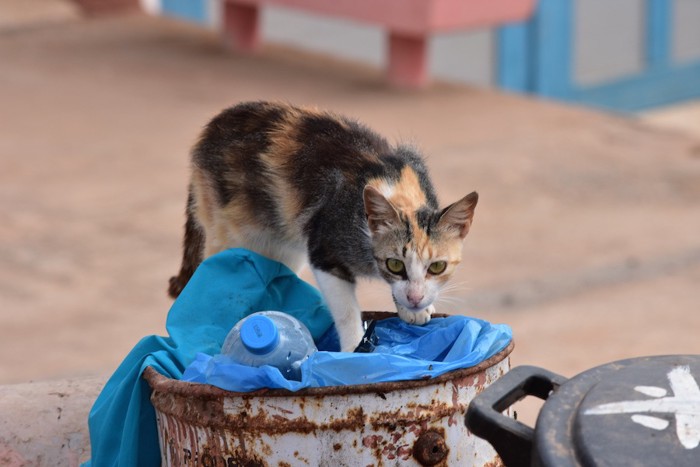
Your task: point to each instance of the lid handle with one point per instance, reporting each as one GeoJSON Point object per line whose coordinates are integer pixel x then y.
{"type": "Point", "coordinates": [511, 438]}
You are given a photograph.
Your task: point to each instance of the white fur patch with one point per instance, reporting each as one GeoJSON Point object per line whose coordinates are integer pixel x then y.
{"type": "Point", "coordinates": [415, 317]}
{"type": "Point", "coordinates": [417, 285]}
{"type": "Point", "coordinates": [385, 189]}
{"type": "Point", "coordinates": [341, 300]}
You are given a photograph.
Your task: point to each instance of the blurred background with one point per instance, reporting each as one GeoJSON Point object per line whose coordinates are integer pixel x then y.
{"type": "Point", "coordinates": [577, 122]}
{"type": "Point", "coordinates": [623, 55]}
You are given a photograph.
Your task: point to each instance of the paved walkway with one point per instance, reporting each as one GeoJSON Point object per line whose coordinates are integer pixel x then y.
{"type": "Point", "coordinates": [585, 240]}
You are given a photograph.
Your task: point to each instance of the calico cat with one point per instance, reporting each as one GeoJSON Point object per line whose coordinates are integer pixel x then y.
{"type": "Point", "coordinates": [299, 185]}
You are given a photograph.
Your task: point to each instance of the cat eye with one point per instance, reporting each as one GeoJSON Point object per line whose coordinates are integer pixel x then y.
{"type": "Point", "coordinates": [438, 267]}
{"type": "Point", "coordinates": [395, 266]}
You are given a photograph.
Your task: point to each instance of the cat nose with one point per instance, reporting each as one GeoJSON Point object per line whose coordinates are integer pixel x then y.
{"type": "Point", "coordinates": [414, 298]}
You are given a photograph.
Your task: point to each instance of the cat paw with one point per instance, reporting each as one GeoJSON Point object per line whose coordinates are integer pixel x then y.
{"type": "Point", "coordinates": [350, 340]}
{"type": "Point", "coordinates": [416, 317]}
{"type": "Point", "coordinates": [175, 286]}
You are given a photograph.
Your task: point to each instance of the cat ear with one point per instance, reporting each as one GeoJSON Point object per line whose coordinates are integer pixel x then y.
{"type": "Point", "coordinates": [381, 214]}
{"type": "Point", "coordinates": [458, 216]}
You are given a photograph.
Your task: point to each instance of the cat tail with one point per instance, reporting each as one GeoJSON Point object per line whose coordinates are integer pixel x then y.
{"type": "Point", "coordinates": [192, 250]}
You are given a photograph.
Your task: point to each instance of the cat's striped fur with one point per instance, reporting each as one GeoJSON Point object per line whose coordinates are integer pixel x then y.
{"type": "Point", "coordinates": [300, 185]}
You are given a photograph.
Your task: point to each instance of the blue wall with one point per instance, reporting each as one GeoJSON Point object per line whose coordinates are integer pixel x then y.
{"type": "Point", "coordinates": [536, 57]}
{"type": "Point", "coordinates": [195, 10]}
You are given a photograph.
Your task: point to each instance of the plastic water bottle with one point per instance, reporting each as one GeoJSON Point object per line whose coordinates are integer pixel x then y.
{"type": "Point", "coordinates": [270, 338]}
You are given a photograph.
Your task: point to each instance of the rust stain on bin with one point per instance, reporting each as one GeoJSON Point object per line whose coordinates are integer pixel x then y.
{"type": "Point", "coordinates": [418, 422]}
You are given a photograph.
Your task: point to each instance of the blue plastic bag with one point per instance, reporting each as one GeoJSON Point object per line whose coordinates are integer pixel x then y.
{"type": "Point", "coordinates": [225, 288]}
{"type": "Point", "coordinates": [404, 352]}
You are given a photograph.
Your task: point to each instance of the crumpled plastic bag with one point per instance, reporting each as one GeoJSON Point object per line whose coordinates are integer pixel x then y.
{"type": "Point", "coordinates": [403, 352]}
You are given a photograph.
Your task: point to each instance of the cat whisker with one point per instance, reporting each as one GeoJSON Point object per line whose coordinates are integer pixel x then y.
{"type": "Point", "coordinates": [450, 300]}
{"type": "Point", "coordinates": [456, 287]}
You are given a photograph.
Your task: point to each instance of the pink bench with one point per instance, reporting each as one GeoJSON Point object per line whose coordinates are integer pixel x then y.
{"type": "Point", "coordinates": [409, 23]}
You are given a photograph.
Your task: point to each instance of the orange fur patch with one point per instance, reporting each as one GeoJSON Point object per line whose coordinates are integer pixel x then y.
{"type": "Point", "coordinates": [283, 144]}
{"type": "Point", "coordinates": [408, 195]}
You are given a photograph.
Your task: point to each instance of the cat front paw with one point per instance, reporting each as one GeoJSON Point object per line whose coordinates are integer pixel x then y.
{"type": "Point", "coordinates": [416, 317]}
{"type": "Point", "coordinates": [350, 339]}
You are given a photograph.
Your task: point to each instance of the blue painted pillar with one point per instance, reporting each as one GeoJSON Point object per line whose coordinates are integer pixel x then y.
{"type": "Point", "coordinates": [658, 45]}
{"type": "Point", "coordinates": [553, 30]}
{"type": "Point", "coordinates": [514, 67]}
{"type": "Point", "coordinates": [536, 56]}
{"type": "Point", "coordinates": [193, 10]}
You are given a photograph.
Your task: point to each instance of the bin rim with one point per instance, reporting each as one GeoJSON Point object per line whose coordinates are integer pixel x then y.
{"type": "Point", "coordinates": [164, 384]}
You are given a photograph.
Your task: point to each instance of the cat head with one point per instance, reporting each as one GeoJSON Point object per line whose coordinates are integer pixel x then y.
{"type": "Point", "coordinates": [417, 251]}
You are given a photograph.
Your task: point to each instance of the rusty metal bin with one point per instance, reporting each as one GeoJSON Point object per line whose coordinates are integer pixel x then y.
{"type": "Point", "coordinates": [418, 422]}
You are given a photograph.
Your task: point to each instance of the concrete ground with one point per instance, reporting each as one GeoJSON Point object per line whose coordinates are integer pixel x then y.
{"type": "Point", "coordinates": [585, 239]}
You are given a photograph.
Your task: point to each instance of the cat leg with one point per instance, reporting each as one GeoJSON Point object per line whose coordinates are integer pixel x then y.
{"type": "Point", "coordinates": [341, 300]}
{"type": "Point", "coordinates": [415, 317]}
{"type": "Point", "coordinates": [192, 250]}
{"type": "Point", "coordinates": [269, 244]}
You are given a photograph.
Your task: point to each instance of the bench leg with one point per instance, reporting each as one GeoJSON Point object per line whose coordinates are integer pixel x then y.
{"type": "Point", "coordinates": [408, 61]}
{"type": "Point", "coordinates": [242, 26]}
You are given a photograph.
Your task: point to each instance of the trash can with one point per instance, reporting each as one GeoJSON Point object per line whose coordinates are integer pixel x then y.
{"type": "Point", "coordinates": [404, 423]}
{"type": "Point", "coordinates": [641, 411]}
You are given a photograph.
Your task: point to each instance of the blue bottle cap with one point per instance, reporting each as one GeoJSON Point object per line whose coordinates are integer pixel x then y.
{"type": "Point", "coordinates": [259, 334]}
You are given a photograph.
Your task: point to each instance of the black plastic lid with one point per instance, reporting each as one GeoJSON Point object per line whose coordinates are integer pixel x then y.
{"type": "Point", "coordinates": [642, 411]}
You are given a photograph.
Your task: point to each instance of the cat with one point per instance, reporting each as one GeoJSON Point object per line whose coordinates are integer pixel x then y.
{"type": "Point", "coordinates": [299, 185]}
